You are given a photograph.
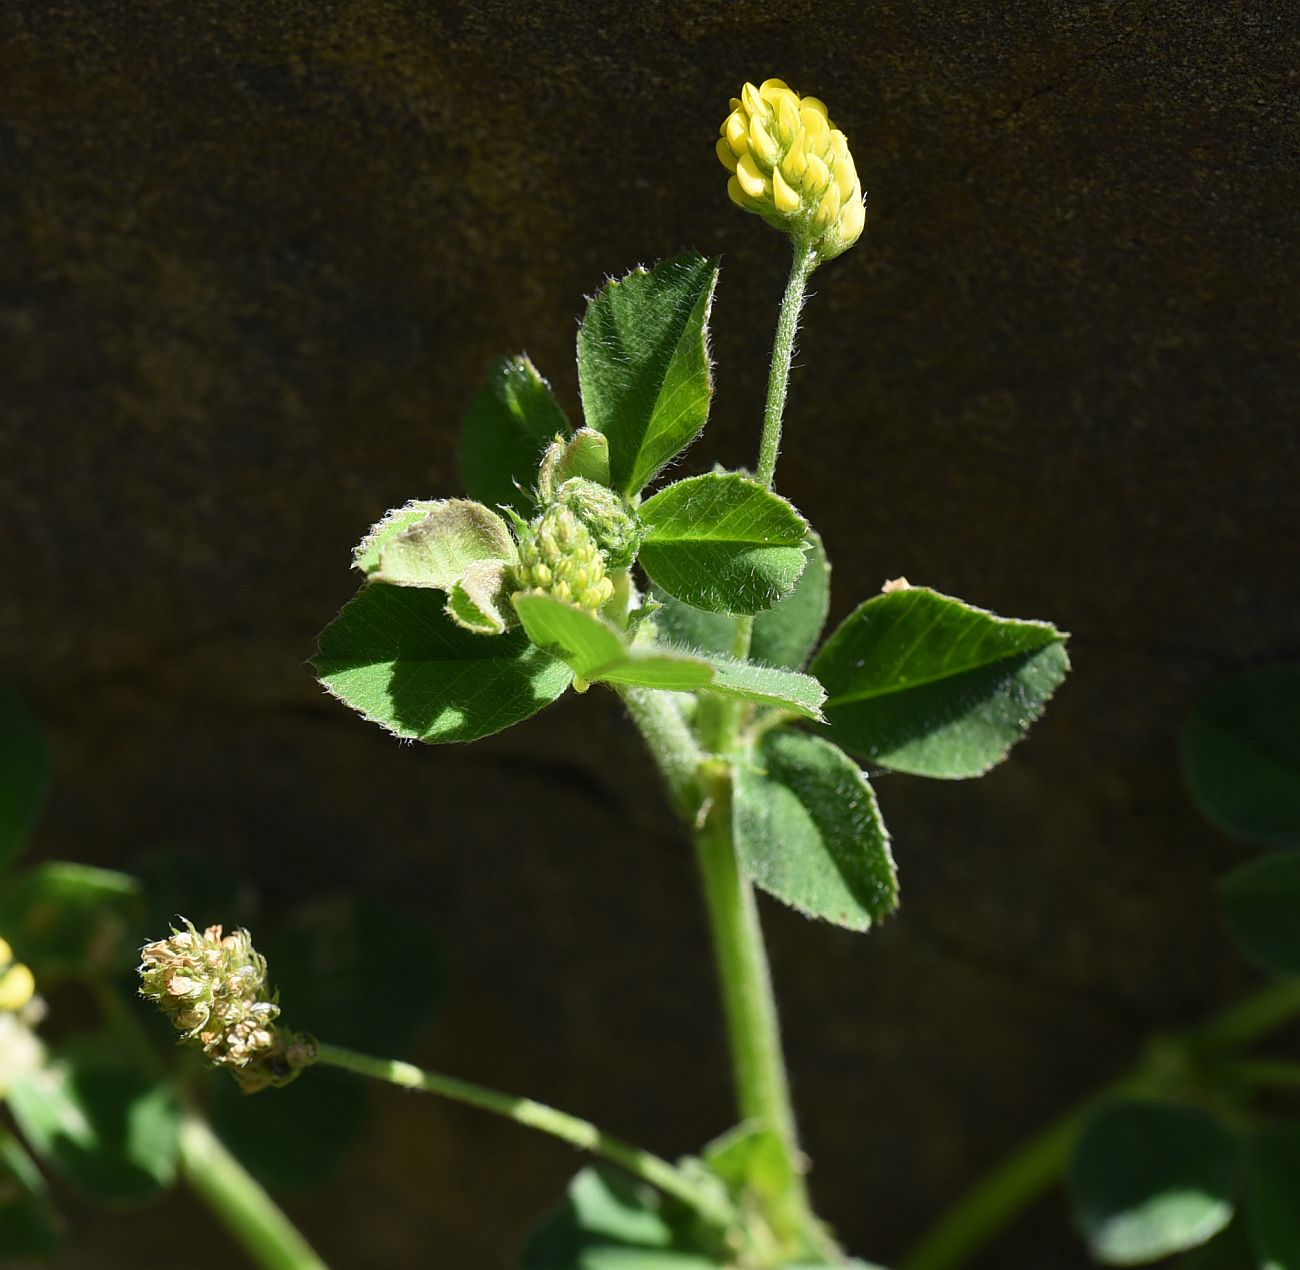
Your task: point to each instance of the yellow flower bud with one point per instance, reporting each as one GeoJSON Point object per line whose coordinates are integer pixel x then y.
{"type": "Point", "coordinates": [16, 987]}
{"type": "Point", "coordinates": [17, 984]}
{"type": "Point", "coordinates": [790, 165]}
{"type": "Point", "coordinates": [736, 131]}
{"type": "Point", "coordinates": [786, 200]}
{"type": "Point", "coordinates": [750, 178]}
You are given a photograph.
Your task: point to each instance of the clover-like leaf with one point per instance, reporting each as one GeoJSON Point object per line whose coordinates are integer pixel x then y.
{"type": "Point", "coordinates": [922, 683]}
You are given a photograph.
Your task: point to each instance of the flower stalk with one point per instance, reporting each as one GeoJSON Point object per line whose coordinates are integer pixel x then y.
{"type": "Point", "coordinates": [535, 1115]}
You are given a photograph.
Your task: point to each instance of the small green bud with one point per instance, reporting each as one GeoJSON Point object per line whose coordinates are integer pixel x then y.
{"type": "Point", "coordinates": [559, 556]}
{"type": "Point", "coordinates": [610, 521]}
{"type": "Point", "coordinates": [213, 988]}
{"type": "Point", "coordinates": [546, 472]}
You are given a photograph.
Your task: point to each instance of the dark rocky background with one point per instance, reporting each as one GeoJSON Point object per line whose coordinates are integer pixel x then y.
{"type": "Point", "coordinates": [255, 257]}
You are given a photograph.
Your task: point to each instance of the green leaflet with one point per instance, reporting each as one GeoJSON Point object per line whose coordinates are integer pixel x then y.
{"type": "Point", "coordinates": [596, 651]}
{"type": "Point", "coordinates": [809, 832]}
{"type": "Point", "coordinates": [1150, 1179]}
{"type": "Point", "coordinates": [396, 658]}
{"type": "Point", "coordinates": [1261, 902]}
{"type": "Point", "coordinates": [393, 523]}
{"type": "Point", "coordinates": [923, 683]}
{"type": "Point", "coordinates": [72, 919]}
{"type": "Point", "coordinates": [767, 686]}
{"type": "Point", "coordinates": [787, 633]}
{"type": "Point", "coordinates": [643, 365]}
{"type": "Point", "coordinates": [110, 1130]}
{"type": "Point", "coordinates": [783, 635]}
{"type": "Point", "coordinates": [723, 543]}
{"type": "Point", "coordinates": [608, 1222]}
{"type": "Point", "coordinates": [24, 776]}
{"type": "Point", "coordinates": [477, 601]}
{"type": "Point", "coordinates": [433, 544]}
{"type": "Point", "coordinates": [1241, 755]}
{"type": "Point", "coordinates": [506, 429]}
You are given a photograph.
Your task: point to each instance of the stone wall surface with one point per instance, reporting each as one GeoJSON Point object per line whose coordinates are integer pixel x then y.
{"type": "Point", "coordinates": [256, 256]}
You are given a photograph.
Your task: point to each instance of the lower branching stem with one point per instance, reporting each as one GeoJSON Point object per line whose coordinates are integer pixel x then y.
{"type": "Point", "coordinates": [535, 1115]}
{"type": "Point", "coordinates": [249, 1213]}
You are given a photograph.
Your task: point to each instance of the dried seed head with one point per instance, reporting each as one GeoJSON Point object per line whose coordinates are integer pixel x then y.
{"type": "Point", "coordinates": [213, 988]}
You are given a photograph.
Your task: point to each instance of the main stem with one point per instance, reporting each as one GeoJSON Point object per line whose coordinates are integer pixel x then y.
{"type": "Point", "coordinates": [535, 1115]}
{"type": "Point", "coordinates": [749, 1004]}
{"type": "Point", "coordinates": [250, 1214]}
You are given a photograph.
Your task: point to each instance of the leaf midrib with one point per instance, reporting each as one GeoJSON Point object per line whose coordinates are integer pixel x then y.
{"type": "Point", "coordinates": [850, 698]}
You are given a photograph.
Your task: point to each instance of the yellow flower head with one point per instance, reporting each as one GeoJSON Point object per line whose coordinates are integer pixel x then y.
{"type": "Point", "coordinates": [790, 165]}
{"type": "Point", "coordinates": [16, 982]}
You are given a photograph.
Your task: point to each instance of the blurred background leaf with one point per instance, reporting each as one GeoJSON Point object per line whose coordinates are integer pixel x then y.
{"type": "Point", "coordinates": [1151, 1179]}
{"type": "Point", "coordinates": [29, 1225]}
{"type": "Point", "coordinates": [1241, 756]}
{"type": "Point", "coordinates": [108, 1129]}
{"type": "Point", "coordinates": [72, 919]}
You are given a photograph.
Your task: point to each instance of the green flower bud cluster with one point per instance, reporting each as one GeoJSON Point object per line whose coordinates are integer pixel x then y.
{"type": "Point", "coordinates": [559, 556]}
{"type": "Point", "coordinates": [608, 519]}
{"type": "Point", "coordinates": [212, 987]}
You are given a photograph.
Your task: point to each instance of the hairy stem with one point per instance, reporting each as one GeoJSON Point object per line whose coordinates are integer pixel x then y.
{"type": "Point", "coordinates": [787, 323]}
{"type": "Point", "coordinates": [991, 1204]}
{"type": "Point", "coordinates": [749, 1004]}
{"type": "Point", "coordinates": [250, 1214]}
{"type": "Point", "coordinates": [660, 721]}
{"type": "Point", "coordinates": [535, 1115]}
